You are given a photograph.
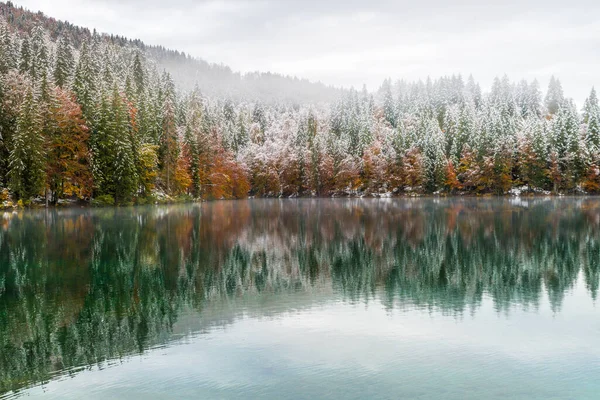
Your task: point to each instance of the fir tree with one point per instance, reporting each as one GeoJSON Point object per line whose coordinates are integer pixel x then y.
{"type": "Point", "coordinates": [25, 59]}
{"type": "Point", "coordinates": [65, 63]}
{"type": "Point", "coordinates": [566, 144]}
{"type": "Point", "coordinates": [26, 160]}
{"type": "Point", "coordinates": [7, 56]}
{"type": "Point", "coordinates": [39, 54]}
{"type": "Point", "coordinates": [389, 109]}
{"type": "Point", "coordinates": [555, 97]}
{"type": "Point", "coordinates": [85, 84]}
{"type": "Point", "coordinates": [125, 173]}
{"type": "Point", "coordinates": [169, 151]}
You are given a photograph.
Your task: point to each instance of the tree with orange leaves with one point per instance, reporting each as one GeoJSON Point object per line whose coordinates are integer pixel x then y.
{"type": "Point", "coordinates": [452, 182]}
{"type": "Point", "coordinates": [591, 183]}
{"type": "Point", "coordinates": [67, 160]}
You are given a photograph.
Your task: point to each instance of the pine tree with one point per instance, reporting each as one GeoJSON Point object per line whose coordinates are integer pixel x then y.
{"type": "Point", "coordinates": [25, 59]}
{"type": "Point", "coordinates": [590, 107]}
{"type": "Point", "coordinates": [125, 173]}
{"type": "Point", "coordinates": [241, 136]}
{"type": "Point", "coordinates": [434, 161]}
{"type": "Point", "coordinates": [8, 60]}
{"type": "Point", "coordinates": [26, 160]}
{"type": "Point", "coordinates": [473, 92]}
{"type": "Point", "coordinates": [591, 120]}
{"type": "Point", "coordinates": [194, 146]}
{"type": "Point", "coordinates": [4, 135]}
{"type": "Point", "coordinates": [113, 146]}
{"type": "Point", "coordinates": [39, 54]}
{"type": "Point", "coordinates": [555, 97]}
{"type": "Point", "coordinates": [566, 144]}
{"type": "Point", "coordinates": [85, 84]}
{"type": "Point", "coordinates": [102, 147]}
{"type": "Point", "coordinates": [137, 71]}
{"type": "Point", "coordinates": [389, 109]}
{"type": "Point", "coordinates": [65, 63]}
{"type": "Point", "coordinates": [533, 100]}
{"type": "Point", "coordinates": [169, 152]}
{"type": "Point", "coordinates": [533, 154]}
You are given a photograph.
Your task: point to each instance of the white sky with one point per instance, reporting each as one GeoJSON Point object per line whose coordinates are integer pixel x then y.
{"type": "Point", "coordinates": [351, 42]}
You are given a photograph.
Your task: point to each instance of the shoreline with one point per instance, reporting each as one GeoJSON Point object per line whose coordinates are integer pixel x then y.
{"type": "Point", "coordinates": [87, 204]}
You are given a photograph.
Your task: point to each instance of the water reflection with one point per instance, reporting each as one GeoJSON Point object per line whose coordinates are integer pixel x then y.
{"type": "Point", "coordinates": [79, 287]}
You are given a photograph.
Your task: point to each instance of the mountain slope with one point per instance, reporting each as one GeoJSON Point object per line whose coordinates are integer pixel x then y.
{"type": "Point", "coordinates": [215, 80]}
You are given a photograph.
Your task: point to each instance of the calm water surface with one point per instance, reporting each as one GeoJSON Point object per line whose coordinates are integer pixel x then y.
{"type": "Point", "coordinates": [353, 298]}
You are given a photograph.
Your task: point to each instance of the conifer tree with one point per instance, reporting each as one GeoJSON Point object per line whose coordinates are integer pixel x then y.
{"type": "Point", "coordinates": [567, 145]}
{"type": "Point", "coordinates": [591, 120]}
{"type": "Point", "coordinates": [169, 152]}
{"type": "Point", "coordinates": [434, 161]}
{"type": "Point", "coordinates": [85, 84]}
{"type": "Point", "coordinates": [102, 146]}
{"type": "Point", "coordinates": [4, 135]}
{"type": "Point", "coordinates": [26, 160]}
{"type": "Point", "coordinates": [8, 60]}
{"type": "Point", "coordinates": [125, 173]}
{"type": "Point", "coordinates": [389, 109]}
{"type": "Point", "coordinates": [137, 71]}
{"type": "Point", "coordinates": [590, 107]}
{"type": "Point", "coordinates": [25, 58]}
{"type": "Point", "coordinates": [39, 54]}
{"type": "Point", "coordinates": [65, 63]}
{"type": "Point", "coordinates": [555, 97]}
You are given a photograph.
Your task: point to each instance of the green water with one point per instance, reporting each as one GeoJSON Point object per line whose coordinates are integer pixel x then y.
{"type": "Point", "coordinates": [331, 298]}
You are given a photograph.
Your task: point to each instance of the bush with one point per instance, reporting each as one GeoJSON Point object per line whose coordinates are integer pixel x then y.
{"type": "Point", "coordinates": [104, 200]}
{"type": "Point", "coordinates": [184, 198]}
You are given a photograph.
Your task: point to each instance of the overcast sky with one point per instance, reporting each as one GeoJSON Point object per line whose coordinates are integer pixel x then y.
{"type": "Point", "coordinates": [351, 42]}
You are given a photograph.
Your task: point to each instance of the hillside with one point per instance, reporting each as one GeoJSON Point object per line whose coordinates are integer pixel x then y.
{"type": "Point", "coordinates": [215, 80]}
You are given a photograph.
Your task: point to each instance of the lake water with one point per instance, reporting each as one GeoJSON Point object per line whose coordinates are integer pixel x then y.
{"type": "Point", "coordinates": [303, 299]}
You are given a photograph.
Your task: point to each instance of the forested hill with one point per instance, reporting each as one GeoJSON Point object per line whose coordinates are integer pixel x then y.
{"type": "Point", "coordinates": [215, 80]}
{"type": "Point", "coordinates": [92, 116]}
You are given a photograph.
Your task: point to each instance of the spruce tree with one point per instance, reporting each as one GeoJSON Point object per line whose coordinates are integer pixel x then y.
{"type": "Point", "coordinates": [591, 119]}
{"type": "Point", "coordinates": [7, 56]}
{"type": "Point", "coordinates": [25, 61]}
{"type": "Point", "coordinates": [65, 63]}
{"type": "Point", "coordinates": [125, 173]}
{"type": "Point", "coordinates": [26, 160]}
{"type": "Point", "coordinates": [389, 109]}
{"type": "Point", "coordinates": [555, 97]}
{"type": "Point", "coordinates": [590, 107]}
{"type": "Point", "coordinates": [85, 84]}
{"type": "Point", "coordinates": [567, 145]}
{"type": "Point", "coordinates": [4, 136]}
{"type": "Point", "coordinates": [169, 151]}
{"type": "Point", "coordinates": [39, 54]}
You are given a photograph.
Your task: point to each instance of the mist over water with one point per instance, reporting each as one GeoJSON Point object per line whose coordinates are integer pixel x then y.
{"type": "Point", "coordinates": [353, 298]}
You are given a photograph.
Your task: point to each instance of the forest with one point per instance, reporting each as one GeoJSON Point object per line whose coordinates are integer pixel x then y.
{"type": "Point", "coordinates": [107, 120]}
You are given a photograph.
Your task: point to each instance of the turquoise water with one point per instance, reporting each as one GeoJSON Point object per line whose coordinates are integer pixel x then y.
{"type": "Point", "coordinates": [330, 298]}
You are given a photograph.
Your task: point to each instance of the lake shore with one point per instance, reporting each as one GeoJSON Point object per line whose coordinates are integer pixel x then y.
{"type": "Point", "coordinates": [71, 203]}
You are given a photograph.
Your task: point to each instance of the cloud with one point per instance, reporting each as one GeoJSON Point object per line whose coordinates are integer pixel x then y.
{"type": "Point", "coordinates": [354, 42]}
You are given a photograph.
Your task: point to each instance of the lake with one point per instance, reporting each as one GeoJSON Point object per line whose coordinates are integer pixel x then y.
{"type": "Point", "coordinates": [428, 298]}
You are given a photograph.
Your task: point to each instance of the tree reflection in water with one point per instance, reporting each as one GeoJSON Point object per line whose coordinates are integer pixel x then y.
{"type": "Point", "coordinates": [80, 287]}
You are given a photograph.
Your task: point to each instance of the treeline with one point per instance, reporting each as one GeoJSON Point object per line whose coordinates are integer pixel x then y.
{"type": "Point", "coordinates": [103, 121]}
